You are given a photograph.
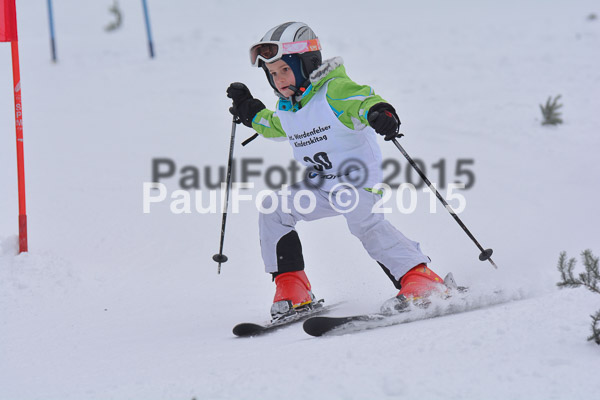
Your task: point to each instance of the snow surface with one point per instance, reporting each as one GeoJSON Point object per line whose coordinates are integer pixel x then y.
{"type": "Point", "coordinates": [112, 303]}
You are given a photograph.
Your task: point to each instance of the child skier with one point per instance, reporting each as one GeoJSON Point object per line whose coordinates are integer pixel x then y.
{"type": "Point", "coordinates": [329, 121]}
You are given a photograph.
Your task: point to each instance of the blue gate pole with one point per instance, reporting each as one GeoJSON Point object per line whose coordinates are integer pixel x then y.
{"type": "Point", "coordinates": [52, 42]}
{"type": "Point", "coordinates": [148, 31]}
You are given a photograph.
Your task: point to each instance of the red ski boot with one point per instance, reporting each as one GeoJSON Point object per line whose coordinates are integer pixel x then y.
{"type": "Point", "coordinates": [416, 285]}
{"type": "Point", "coordinates": [293, 291]}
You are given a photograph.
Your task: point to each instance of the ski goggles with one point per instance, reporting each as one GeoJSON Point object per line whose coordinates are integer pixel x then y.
{"type": "Point", "coordinates": [272, 51]}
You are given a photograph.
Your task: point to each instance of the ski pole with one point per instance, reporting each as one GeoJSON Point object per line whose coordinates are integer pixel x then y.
{"type": "Point", "coordinates": [485, 254]}
{"type": "Point", "coordinates": [220, 257]}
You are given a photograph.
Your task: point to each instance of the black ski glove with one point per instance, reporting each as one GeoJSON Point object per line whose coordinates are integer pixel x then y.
{"type": "Point", "coordinates": [383, 118]}
{"type": "Point", "coordinates": [244, 106]}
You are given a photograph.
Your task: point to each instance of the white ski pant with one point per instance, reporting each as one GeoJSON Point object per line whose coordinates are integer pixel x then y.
{"type": "Point", "coordinates": [280, 246]}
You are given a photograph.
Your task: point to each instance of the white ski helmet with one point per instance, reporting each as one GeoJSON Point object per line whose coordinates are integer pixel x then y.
{"type": "Point", "coordinates": [290, 38]}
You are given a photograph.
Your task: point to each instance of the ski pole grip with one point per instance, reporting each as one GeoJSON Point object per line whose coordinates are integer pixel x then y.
{"type": "Point", "coordinates": [251, 138]}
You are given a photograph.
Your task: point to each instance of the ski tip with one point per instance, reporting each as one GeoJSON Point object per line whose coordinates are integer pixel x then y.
{"type": "Point", "coordinates": [319, 326]}
{"type": "Point", "coordinates": [247, 329]}
{"type": "Point", "coordinates": [314, 326]}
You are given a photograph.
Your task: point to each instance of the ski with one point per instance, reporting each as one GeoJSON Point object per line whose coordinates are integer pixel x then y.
{"type": "Point", "coordinates": [319, 326]}
{"type": "Point", "coordinates": [247, 329]}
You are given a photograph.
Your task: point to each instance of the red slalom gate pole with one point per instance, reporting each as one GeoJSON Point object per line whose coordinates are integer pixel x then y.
{"type": "Point", "coordinates": [8, 33]}
{"type": "Point", "coordinates": [20, 158]}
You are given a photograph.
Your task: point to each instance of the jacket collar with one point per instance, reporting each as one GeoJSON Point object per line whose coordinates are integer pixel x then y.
{"type": "Point", "coordinates": [331, 68]}
{"type": "Point", "coordinates": [325, 69]}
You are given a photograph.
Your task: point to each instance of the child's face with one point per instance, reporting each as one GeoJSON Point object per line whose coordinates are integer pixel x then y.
{"type": "Point", "coordinates": [283, 76]}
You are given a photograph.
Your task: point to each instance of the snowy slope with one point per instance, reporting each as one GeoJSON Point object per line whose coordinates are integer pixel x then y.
{"type": "Point", "coordinates": [114, 303]}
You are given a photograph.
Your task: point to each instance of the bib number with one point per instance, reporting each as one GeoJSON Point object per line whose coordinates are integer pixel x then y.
{"type": "Point", "coordinates": [320, 161]}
